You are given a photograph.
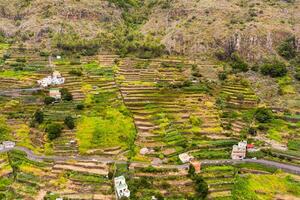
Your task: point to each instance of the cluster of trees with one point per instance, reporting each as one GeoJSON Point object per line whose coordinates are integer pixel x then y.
{"type": "Point", "coordinates": [52, 129]}
{"type": "Point", "coordinates": [273, 68]}
{"type": "Point", "coordinates": [127, 40]}
{"type": "Point", "coordinates": [263, 115]}
{"type": "Point", "coordinates": [72, 42]}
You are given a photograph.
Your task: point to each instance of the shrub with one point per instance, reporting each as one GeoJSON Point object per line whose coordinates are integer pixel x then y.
{"type": "Point", "coordinates": [6, 56]}
{"type": "Point", "coordinates": [38, 116]}
{"type": "Point", "coordinates": [191, 170]}
{"type": "Point", "coordinates": [66, 95]}
{"type": "Point", "coordinates": [75, 72]}
{"type": "Point", "coordinates": [80, 106]}
{"type": "Point", "coordinates": [273, 68]}
{"type": "Point", "coordinates": [263, 115]}
{"type": "Point", "coordinates": [252, 131]}
{"type": "Point", "coordinates": [222, 76]}
{"type": "Point", "coordinates": [297, 75]}
{"type": "Point", "coordinates": [53, 130]}
{"type": "Point", "coordinates": [44, 53]}
{"type": "Point", "coordinates": [22, 60]}
{"type": "Point", "coordinates": [48, 100]}
{"type": "Point", "coordinates": [287, 48]}
{"type": "Point", "coordinates": [201, 187]}
{"type": "Point", "coordinates": [238, 64]}
{"type": "Point", "coordinates": [69, 122]}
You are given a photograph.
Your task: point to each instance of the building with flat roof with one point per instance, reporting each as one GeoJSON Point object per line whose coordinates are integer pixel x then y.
{"type": "Point", "coordinates": [55, 93]}
{"type": "Point", "coordinates": [121, 187]}
{"type": "Point", "coordinates": [185, 157]}
{"type": "Point", "coordinates": [239, 151]}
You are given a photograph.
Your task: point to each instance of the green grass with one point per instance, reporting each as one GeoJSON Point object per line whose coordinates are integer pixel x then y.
{"type": "Point", "coordinates": [285, 85]}
{"type": "Point", "coordinates": [15, 74]}
{"type": "Point", "coordinates": [85, 177]}
{"type": "Point", "coordinates": [113, 129]}
{"type": "Point", "coordinates": [256, 166]}
{"type": "Point", "coordinates": [265, 187]}
{"type": "Point", "coordinates": [4, 130]}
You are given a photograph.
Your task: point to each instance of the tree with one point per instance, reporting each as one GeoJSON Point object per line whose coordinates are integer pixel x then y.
{"type": "Point", "coordinates": [263, 115]}
{"type": "Point", "coordinates": [80, 106]}
{"type": "Point", "coordinates": [201, 187]}
{"type": "Point", "coordinates": [38, 116]}
{"type": "Point", "coordinates": [222, 76]}
{"type": "Point", "coordinates": [53, 130]}
{"type": "Point", "coordinates": [287, 48]}
{"type": "Point", "coordinates": [274, 68]}
{"type": "Point", "coordinates": [238, 64]}
{"type": "Point", "coordinates": [48, 100]}
{"type": "Point", "coordinates": [66, 95]}
{"type": "Point", "coordinates": [69, 122]}
{"type": "Point", "coordinates": [191, 170]}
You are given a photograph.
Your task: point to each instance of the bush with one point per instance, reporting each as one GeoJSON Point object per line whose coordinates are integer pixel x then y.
{"type": "Point", "coordinates": [75, 72]}
{"type": "Point", "coordinates": [44, 53]}
{"type": "Point", "coordinates": [222, 76]}
{"type": "Point", "coordinates": [287, 48]}
{"type": "Point", "coordinates": [48, 100]}
{"type": "Point", "coordinates": [252, 131]}
{"type": "Point", "coordinates": [201, 187]}
{"type": "Point", "coordinates": [80, 106]}
{"type": "Point", "coordinates": [38, 116]}
{"type": "Point", "coordinates": [297, 75]}
{"type": "Point", "coordinates": [53, 130]}
{"type": "Point", "coordinates": [66, 95]}
{"type": "Point", "coordinates": [238, 64]}
{"type": "Point", "coordinates": [69, 122]}
{"type": "Point", "coordinates": [273, 68]}
{"type": "Point", "coordinates": [21, 60]}
{"type": "Point", "coordinates": [263, 115]}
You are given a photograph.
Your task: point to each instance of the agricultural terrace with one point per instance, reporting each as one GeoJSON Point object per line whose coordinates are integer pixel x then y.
{"type": "Point", "coordinates": [115, 107]}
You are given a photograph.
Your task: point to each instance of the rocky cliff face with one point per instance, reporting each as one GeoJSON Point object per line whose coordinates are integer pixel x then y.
{"type": "Point", "coordinates": [252, 27]}
{"type": "Point", "coordinates": [186, 27]}
{"type": "Point", "coordinates": [34, 19]}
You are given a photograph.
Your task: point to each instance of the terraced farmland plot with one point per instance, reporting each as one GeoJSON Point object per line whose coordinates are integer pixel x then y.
{"type": "Point", "coordinates": [81, 180]}
{"type": "Point", "coordinates": [160, 182]}
{"type": "Point", "coordinates": [170, 117]}
{"type": "Point", "coordinates": [238, 94]}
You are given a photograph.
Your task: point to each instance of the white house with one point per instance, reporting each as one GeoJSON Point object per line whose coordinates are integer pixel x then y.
{"type": "Point", "coordinates": [8, 144]}
{"type": "Point", "coordinates": [55, 93]}
{"type": "Point", "coordinates": [121, 187]}
{"type": "Point", "coordinates": [54, 79]}
{"type": "Point", "coordinates": [185, 158]}
{"type": "Point", "coordinates": [239, 151]}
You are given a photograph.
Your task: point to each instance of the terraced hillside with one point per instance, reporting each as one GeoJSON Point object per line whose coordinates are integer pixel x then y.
{"type": "Point", "coordinates": [133, 117]}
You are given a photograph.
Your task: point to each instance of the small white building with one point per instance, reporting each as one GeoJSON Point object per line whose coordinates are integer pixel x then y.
{"type": "Point", "coordinates": [54, 79]}
{"type": "Point", "coordinates": [121, 187]}
{"type": "Point", "coordinates": [185, 158]}
{"type": "Point", "coordinates": [8, 144]}
{"type": "Point", "coordinates": [239, 151]}
{"type": "Point", "coordinates": [1, 147]}
{"type": "Point", "coordinates": [55, 93]}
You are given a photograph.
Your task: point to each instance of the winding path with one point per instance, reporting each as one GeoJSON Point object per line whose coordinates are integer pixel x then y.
{"type": "Point", "coordinates": [32, 156]}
